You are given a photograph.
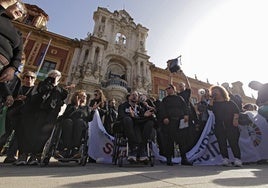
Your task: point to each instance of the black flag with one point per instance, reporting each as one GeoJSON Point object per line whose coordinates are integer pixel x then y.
{"type": "Point", "coordinates": [173, 64]}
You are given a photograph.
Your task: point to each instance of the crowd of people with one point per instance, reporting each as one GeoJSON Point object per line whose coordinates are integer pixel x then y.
{"type": "Point", "coordinates": [172, 121]}
{"type": "Point", "coordinates": [33, 110]}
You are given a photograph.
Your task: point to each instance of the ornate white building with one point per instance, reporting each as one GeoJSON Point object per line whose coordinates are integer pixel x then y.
{"type": "Point", "coordinates": [113, 57]}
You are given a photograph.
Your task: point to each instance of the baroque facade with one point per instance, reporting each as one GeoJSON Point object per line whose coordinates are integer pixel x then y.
{"type": "Point", "coordinates": [113, 57]}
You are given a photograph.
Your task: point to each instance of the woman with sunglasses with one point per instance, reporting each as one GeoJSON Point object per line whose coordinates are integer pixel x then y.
{"type": "Point", "coordinates": [98, 103]}
{"type": "Point", "coordinates": [74, 123]}
{"type": "Point", "coordinates": [25, 91]}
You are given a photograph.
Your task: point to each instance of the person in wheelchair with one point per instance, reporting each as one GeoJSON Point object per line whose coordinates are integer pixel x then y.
{"type": "Point", "coordinates": [74, 123]}
{"type": "Point", "coordinates": [137, 122]}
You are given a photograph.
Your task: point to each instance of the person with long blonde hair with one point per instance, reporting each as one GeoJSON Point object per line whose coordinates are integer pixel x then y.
{"type": "Point", "coordinates": [73, 124]}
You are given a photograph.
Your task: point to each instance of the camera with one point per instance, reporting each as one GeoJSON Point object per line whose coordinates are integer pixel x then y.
{"type": "Point", "coordinates": [50, 80]}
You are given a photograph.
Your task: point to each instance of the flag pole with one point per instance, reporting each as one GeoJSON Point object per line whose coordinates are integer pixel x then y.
{"type": "Point", "coordinates": [27, 39]}
{"type": "Point", "coordinates": [43, 58]}
{"type": "Point", "coordinates": [170, 78]}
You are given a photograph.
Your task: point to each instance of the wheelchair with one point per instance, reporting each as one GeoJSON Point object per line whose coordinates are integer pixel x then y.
{"type": "Point", "coordinates": [121, 148]}
{"type": "Point", "coordinates": [53, 145]}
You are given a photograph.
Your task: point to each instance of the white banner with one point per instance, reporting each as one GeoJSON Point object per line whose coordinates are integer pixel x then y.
{"type": "Point", "coordinates": [100, 143]}
{"type": "Point", "coordinates": [253, 143]}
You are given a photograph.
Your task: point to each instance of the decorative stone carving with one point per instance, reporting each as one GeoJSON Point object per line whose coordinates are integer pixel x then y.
{"type": "Point", "coordinates": [123, 47]}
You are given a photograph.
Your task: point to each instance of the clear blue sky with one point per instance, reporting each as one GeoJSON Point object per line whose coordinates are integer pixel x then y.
{"type": "Point", "coordinates": [219, 40]}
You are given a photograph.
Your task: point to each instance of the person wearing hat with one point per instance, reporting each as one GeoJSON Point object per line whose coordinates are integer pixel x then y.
{"type": "Point", "coordinates": [173, 110]}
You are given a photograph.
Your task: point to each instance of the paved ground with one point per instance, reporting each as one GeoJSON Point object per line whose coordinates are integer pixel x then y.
{"type": "Point", "coordinates": [68, 175]}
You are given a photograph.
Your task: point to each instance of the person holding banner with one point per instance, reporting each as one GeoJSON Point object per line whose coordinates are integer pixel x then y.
{"type": "Point", "coordinates": [226, 115]}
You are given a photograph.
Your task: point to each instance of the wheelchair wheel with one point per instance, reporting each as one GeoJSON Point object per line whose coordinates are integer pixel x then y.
{"type": "Point", "coordinates": [84, 149]}
{"type": "Point", "coordinates": [46, 153]}
{"type": "Point", "coordinates": [115, 151]}
{"type": "Point", "coordinates": [120, 161]}
{"type": "Point", "coordinates": [84, 155]}
{"type": "Point", "coordinates": [44, 162]}
{"type": "Point", "coordinates": [83, 160]}
{"type": "Point", "coordinates": [50, 146]}
{"type": "Point", "coordinates": [151, 161]}
{"type": "Point", "coordinates": [150, 153]}
{"type": "Point", "coordinates": [114, 157]}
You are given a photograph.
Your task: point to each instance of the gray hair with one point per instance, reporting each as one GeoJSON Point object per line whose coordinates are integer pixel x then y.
{"type": "Point", "coordinates": [53, 72]}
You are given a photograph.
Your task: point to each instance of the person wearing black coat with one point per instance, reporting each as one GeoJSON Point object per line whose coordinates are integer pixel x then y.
{"type": "Point", "coordinates": [173, 110]}
{"type": "Point", "coordinates": [11, 42]}
{"type": "Point", "coordinates": [98, 102]}
{"type": "Point", "coordinates": [38, 116]}
{"type": "Point", "coordinates": [226, 128]}
{"type": "Point", "coordinates": [137, 122]}
{"type": "Point", "coordinates": [21, 95]}
{"type": "Point", "coordinates": [110, 116]}
{"type": "Point", "coordinates": [74, 123]}
{"type": "Point", "coordinates": [185, 91]}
